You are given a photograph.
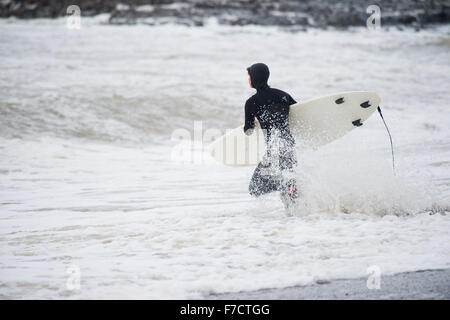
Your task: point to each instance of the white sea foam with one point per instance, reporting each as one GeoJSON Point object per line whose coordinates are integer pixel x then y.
{"type": "Point", "coordinates": [86, 179]}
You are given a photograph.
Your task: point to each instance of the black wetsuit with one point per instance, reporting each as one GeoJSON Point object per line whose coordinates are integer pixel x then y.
{"type": "Point", "coordinates": [271, 107]}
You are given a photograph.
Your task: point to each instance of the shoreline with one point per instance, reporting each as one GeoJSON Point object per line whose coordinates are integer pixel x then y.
{"type": "Point", "coordinates": [416, 285]}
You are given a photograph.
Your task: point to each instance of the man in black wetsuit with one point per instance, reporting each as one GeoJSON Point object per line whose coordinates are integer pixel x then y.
{"type": "Point", "coordinates": [271, 107]}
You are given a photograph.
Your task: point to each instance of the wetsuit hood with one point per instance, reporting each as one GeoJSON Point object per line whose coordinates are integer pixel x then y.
{"type": "Point", "coordinates": [259, 74]}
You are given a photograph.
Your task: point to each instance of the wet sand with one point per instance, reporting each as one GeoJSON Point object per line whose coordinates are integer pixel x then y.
{"type": "Point", "coordinates": [427, 284]}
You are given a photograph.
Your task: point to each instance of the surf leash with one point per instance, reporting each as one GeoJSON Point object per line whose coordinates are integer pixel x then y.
{"type": "Point", "coordinates": [390, 138]}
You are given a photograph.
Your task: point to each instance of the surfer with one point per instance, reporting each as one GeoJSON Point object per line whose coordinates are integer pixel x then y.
{"type": "Point", "coordinates": [271, 107]}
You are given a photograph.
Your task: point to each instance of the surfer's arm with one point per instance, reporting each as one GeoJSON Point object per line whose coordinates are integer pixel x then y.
{"type": "Point", "coordinates": [249, 118]}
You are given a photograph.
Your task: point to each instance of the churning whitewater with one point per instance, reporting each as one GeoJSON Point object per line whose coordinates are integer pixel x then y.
{"type": "Point", "coordinates": [96, 186]}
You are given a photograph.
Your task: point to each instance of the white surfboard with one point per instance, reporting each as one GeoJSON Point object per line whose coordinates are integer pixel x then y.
{"type": "Point", "coordinates": [313, 123]}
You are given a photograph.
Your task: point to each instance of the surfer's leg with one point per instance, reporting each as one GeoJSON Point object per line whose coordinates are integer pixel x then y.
{"type": "Point", "coordinates": [262, 182]}
{"type": "Point", "coordinates": [288, 156]}
{"type": "Point", "coordinates": [288, 164]}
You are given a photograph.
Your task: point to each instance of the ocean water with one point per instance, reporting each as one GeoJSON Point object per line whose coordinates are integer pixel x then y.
{"type": "Point", "coordinates": [98, 198]}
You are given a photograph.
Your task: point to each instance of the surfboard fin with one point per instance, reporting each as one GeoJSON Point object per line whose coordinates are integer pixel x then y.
{"type": "Point", "coordinates": [357, 123]}
{"type": "Point", "coordinates": [365, 104]}
{"type": "Point", "coordinates": [340, 100]}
